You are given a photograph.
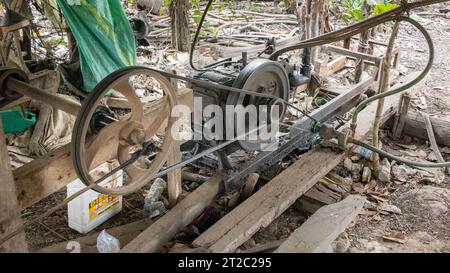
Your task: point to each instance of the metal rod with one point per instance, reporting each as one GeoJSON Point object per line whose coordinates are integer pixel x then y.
{"type": "Point", "coordinates": [40, 95]}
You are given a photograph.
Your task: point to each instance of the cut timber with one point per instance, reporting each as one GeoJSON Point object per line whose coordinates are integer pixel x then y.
{"type": "Point", "coordinates": [269, 202]}
{"type": "Point", "coordinates": [88, 244]}
{"type": "Point", "coordinates": [415, 127]}
{"type": "Point", "coordinates": [321, 229]}
{"type": "Point", "coordinates": [48, 174]}
{"type": "Point", "coordinates": [10, 218]}
{"type": "Point", "coordinates": [280, 193]}
{"type": "Point", "coordinates": [163, 230]}
{"type": "Point", "coordinates": [336, 65]}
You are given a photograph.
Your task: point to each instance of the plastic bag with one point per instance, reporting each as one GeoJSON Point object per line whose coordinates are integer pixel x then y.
{"type": "Point", "coordinates": [104, 37]}
{"type": "Point", "coordinates": [107, 243]}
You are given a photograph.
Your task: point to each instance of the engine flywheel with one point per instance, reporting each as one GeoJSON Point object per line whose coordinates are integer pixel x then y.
{"type": "Point", "coordinates": [262, 76]}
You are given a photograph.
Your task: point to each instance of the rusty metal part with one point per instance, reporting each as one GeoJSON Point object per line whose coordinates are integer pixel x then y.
{"type": "Point", "coordinates": [261, 76]}
{"type": "Point", "coordinates": [128, 132]}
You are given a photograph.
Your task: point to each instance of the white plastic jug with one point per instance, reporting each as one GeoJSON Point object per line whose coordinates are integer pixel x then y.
{"type": "Point", "coordinates": [92, 209]}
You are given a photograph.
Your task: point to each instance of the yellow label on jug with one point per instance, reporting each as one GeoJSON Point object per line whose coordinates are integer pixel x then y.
{"type": "Point", "coordinates": [102, 204]}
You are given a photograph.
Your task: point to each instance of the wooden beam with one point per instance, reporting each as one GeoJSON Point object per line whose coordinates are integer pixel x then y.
{"type": "Point", "coordinates": [358, 55]}
{"type": "Point", "coordinates": [10, 218]}
{"type": "Point", "coordinates": [269, 202]}
{"type": "Point", "coordinates": [88, 244]}
{"type": "Point", "coordinates": [323, 227]}
{"type": "Point", "coordinates": [163, 230]}
{"type": "Point", "coordinates": [50, 173]}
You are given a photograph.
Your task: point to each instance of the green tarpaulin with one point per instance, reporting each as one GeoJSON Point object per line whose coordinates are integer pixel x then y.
{"type": "Point", "coordinates": [104, 37]}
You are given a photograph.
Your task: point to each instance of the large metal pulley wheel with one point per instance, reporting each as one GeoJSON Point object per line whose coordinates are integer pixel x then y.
{"type": "Point", "coordinates": [123, 132]}
{"type": "Point", "coordinates": [262, 76]}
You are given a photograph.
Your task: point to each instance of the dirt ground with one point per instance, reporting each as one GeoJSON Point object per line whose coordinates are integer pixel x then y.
{"type": "Point", "coordinates": [423, 224]}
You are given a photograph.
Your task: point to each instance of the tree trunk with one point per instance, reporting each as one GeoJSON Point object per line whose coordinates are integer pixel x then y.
{"type": "Point", "coordinates": [363, 46]}
{"type": "Point", "coordinates": [179, 14]}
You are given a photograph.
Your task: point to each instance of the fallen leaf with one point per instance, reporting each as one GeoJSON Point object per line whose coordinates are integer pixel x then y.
{"type": "Point", "coordinates": [397, 238]}
{"type": "Point", "coordinates": [446, 150]}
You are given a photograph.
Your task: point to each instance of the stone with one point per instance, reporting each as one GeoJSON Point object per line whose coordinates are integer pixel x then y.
{"type": "Point", "coordinates": [375, 247]}
{"type": "Point", "coordinates": [357, 168]}
{"type": "Point", "coordinates": [436, 199]}
{"type": "Point", "coordinates": [402, 172]}
{"type": "Point", "coordinates": [348, 164]}
{"type": "Point", "coordinates": [384, 173]}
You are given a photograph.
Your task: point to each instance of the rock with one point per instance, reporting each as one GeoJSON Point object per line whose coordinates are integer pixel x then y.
{"type": "Point", "coordinates": [355, 250]}
{"type": "Point", "coordinates": [390, 208]}
{"type": "Point", "coordinates": [356, 158]}
{"type": "Point", "coordinates": [358, 187]}
{"type": "Point", "coordinates": [348, 164]}
{"type": "Point", "coordinates": [250, 243]}
{"type": "Point", "coordinates": [375, 247]}
{"type": "Point", "coordinates": [432, 157]}
{"type": "Point", "coordinates": [357, 168]}
{"type": "Point", "coordinates": [407, 140]}
{"type": "Point", "coordinates": [384, 173]}
{"type": "Point", "coordinates": [342, 246]}
{"type": "Point", "coordinates": [402, 172]}
{"type": "Point", "coordinates": [436, 199]}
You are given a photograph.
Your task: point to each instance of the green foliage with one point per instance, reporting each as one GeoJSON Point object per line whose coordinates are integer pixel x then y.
{"type": "Point", "coordinates": [57, 41]}
{"type": "Point", "coordinates": [354, 9]}
{"type": "Point", "coordinates": [385, 7]}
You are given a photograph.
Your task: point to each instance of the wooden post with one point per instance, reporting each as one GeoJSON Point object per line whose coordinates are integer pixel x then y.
{"type": "Point", "coordinates": [400, 117]}
{"type": "Point", "coordinates": [10, 214]}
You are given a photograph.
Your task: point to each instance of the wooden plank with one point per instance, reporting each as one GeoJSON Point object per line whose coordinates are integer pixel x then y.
{"type": "Point", "coordinates": [323, 227]}
{"type": "Point", "coordinates": [269, 202]}
{"type": "Point", "coordinates": [336, 65]}
{"type": "Point", "coordinates": [358, 55]}
{"type": "Point", "coordinates": [174, 182]}
{"type": "Point", "coordinates": [163, 230]}
{"type": "Point", "coordinates": [10, 218]}
{"type": "Point", "coordinates": [50, 173]}
{"type": "Point", "coordinates": [88, 244]}
{"type": "Point", "coordinates": [227, 52]}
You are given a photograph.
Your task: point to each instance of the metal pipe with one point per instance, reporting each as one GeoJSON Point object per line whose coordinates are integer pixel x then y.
{"type": "Point", "coordinates": [40, 95]}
